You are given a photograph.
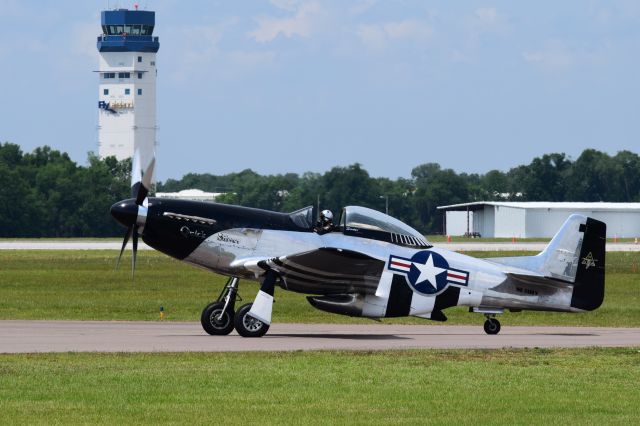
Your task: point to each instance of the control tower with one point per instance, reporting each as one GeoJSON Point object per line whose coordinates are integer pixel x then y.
{"type": "Point", "coordinates": [127, 94]}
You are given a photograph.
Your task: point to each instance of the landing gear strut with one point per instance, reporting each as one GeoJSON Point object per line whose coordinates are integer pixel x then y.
{"type": "Point", "coordinates": [218, 317]}
{"type": "Point", "coordinates": [491, 325]}
{"type": "Point", "coordinates": [253, 319]}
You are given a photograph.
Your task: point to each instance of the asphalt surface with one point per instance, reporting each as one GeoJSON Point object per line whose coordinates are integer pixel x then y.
{"type": "Point", "coordinates": [115, 245]}
{"type": "Point", "coordinates": [105, 336]}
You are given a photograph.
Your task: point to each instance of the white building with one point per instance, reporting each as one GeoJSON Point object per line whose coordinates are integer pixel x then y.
{"type": "Point", "coordinates": [127, 89]}
{"type": "Point", "coordinates": [537, 219]}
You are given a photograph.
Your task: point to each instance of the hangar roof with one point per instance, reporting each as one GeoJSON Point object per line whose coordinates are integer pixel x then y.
{"type": "Point", "coordinates": [477, 205]}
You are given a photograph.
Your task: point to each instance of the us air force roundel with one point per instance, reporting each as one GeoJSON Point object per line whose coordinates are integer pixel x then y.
{"type": "Point", "coordinates": [428, 272]}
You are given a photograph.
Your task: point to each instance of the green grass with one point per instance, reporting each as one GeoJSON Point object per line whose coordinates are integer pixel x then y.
{"type": "Point", "coordinates": [577, 386]}
{"type": "Point", "coordinates": [83, 285]}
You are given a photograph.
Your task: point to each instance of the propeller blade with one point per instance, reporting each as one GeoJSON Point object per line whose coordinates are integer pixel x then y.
{"type": "Point", "coordinates": [148, 174]}
{"type": "Point", "coordinates": [136, 177]}
{"type": "Point", "coordinates": [127, 235]}
{"type": "Point", "coordinates": [145, 184]}
{"type": "Point", "coordinates": [135, 249]}
{"type": "Point", "coordinates": [142, 193]}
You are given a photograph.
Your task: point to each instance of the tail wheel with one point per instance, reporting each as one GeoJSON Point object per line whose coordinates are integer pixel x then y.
{"type": "Point", "coordinates": [248, 326]}
{"type": "Point", "coordinates": [216, 322]}
{"type": "Point", "coordinates": [492, 326]}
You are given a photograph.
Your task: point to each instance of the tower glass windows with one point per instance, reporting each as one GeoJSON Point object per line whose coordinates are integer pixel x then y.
{"type": "Point", "coordinates": [135, 30]}
{"type": "Point", "coordinates": [124, 75]}
{"type": "Point", "coordinates": [139, 58]}
{"type": "Point", "coordinates": [109, 75]}
{"type": "Point", "coordinates": [127, 91]}
{"type": "Point", "coordinates": [105, 91]}
{"type": "Point", "coordinates": [139, 91]}
{"type": "Point", "coordinates": [139, 75]}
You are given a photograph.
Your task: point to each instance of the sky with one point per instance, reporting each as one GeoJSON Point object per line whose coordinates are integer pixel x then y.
{"type": "Point", "coordinates": [302, 85]}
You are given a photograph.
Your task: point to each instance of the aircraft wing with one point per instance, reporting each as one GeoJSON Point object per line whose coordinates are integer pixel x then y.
{"type": "Point", "coordinates": [329, 269]}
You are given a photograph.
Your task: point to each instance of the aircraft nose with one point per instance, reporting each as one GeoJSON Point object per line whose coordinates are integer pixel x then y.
{"type": "Point", "coordinates": [125, 212]}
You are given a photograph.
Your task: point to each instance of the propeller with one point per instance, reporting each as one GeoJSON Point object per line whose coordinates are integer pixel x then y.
{"type": "Point", "coordinates": [132, 213]}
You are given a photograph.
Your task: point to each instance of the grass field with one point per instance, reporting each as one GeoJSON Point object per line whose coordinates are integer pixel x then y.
{"type": "Point", "coordinates": [83, 285]}
{"type": "Point", "coordinates": [581, 386]}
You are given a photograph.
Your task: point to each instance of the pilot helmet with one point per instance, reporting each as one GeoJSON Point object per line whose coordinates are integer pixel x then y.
{"type": "Point", "coordinates": [326, 216]}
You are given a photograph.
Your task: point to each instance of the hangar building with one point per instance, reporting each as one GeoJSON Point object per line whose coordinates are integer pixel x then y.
{"type": "Point", "coordinates": [537, 219]}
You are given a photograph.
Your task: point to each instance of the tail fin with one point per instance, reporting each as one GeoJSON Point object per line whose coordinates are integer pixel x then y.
{"type": "Point", "coordinates": [588, 289]}
{"type": "Point", "coordinates": [575, 255]}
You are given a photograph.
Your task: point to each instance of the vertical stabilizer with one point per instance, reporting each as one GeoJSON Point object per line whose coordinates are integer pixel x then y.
{"type": "Point", "coordinates": [575, 255]}
{"type": "Point", "coordinates": [588, 290]}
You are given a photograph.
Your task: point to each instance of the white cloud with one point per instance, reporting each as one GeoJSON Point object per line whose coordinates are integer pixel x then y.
{"type": "Point", "coordinates": [378, 36]}
{"type": "Point", "coordinates": [554, 56]}
{"type": "Point", "coordinates": [83, 40]}
{"type": "Point", "coordinates": [196, 47]}
{"type": "Point", "coordinates": [288, 5]}
{"type": "Point", "coordinates": [487, 20]}
{"type": "Point", "coordinates": [362, 7]}
{"type": "Point", "coordinates": [487, 15]}
{"type": "Point", "coordinates": [302, 24]}
{"type": "Point", "coordinates": [252, 59]}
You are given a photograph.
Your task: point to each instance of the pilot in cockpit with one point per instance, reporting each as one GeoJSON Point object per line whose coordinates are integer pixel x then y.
{"type": "Point", "coordinates": [325, 222]}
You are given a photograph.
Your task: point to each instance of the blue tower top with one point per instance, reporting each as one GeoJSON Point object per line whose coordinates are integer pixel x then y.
{"type": "Point", "coordinates": [128, 31]}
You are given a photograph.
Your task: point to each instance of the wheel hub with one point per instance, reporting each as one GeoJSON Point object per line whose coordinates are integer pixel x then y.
{"type": "Point", "coordinates": [218, 319]}
{"type": "Point", "coordinates": [251, 323]}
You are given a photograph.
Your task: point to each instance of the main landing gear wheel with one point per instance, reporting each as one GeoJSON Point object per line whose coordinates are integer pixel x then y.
{"type": "Point", "coordinates": [215, 321]}
{"type": "Point", "coordinates": [248, 326]}
{"type": "Point", "coordinates": [492, 326]}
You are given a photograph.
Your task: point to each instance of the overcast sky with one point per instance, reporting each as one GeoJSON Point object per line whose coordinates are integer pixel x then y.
{"type": "Point", "coordinates": [295, 86]}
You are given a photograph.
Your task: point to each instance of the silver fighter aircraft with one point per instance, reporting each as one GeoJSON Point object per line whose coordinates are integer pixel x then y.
{"type": "Point", "coordinates": [369, 264]}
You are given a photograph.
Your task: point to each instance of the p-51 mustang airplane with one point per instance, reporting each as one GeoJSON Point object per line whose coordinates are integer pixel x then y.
{"type": "Point", "coordinates": [371, 264]}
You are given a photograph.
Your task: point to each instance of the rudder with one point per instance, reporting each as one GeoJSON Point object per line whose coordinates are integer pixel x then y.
{"type": "Point", "coordinates": [588, 290]}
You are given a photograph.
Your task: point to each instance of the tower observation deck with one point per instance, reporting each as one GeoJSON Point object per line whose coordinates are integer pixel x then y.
{"type": "Point", "coordinates": [127, 90]}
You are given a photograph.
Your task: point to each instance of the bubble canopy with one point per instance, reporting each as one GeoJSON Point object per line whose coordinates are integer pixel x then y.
{"type": "Point", "coordinates": [364, 218]}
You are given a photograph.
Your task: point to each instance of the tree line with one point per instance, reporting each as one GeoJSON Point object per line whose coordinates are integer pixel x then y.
{"type": "Point", "coordinates": [45, 194]}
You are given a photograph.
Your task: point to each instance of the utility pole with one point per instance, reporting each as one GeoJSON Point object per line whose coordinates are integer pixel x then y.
{"type": "Point", "coordinates": [386, 203]}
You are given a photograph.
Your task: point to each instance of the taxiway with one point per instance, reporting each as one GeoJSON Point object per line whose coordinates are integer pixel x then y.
{"type": "Point", "coordinates": [17, 336]}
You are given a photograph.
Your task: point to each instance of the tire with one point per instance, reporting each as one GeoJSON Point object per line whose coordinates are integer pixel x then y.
{"type": "Point", "coordinates": [246, 325]}
{"type": "Point", "coordinates": [492, 326]}
{"type": "Point", "coordinates": [210, 323]}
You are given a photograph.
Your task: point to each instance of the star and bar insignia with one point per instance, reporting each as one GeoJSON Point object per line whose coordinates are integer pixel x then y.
{"type": "Point", "coordinates": [428, 272]}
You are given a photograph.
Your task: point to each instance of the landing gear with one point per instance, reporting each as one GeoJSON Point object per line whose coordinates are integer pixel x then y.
{"type": "Point", "coordinates": [492, 326]}
{"type": "Point", "coordinates": [248, 326]}
{"type": "Point", "coordinates": [218, 317]}
{"type": "Point", "coordinates": [216, 320]}
{"type": "Point", "coordinates": [251, 320]}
